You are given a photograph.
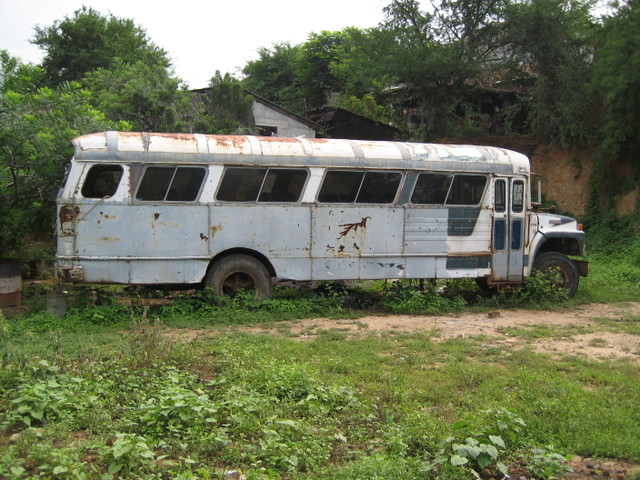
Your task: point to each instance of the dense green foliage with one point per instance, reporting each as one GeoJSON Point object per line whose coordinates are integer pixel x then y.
{"type": "Point", "coordinates": [143, 94]}
{"type": "Point", "coordinates": [36, 127]}
{"type": "Point", "coordinates": [441, 61]}
{"type": "Point", "coordinates": [550, 41]}
{"type": "Point", "coordinates": [89, 40]}
{"type": "Point", "coordinates": [273, 76]}
{"type": "Point", "coordinates": [228, 107]}
{"type": "Point", "coordinates": [615, 78]}
{"type": "Point", "coordinates": [616, 84]}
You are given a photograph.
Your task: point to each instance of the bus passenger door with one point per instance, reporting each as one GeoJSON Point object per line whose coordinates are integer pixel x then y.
{"type": "Point", "coordinates": [508, 230]}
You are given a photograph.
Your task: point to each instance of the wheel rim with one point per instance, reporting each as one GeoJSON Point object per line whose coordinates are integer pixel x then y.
{"type": "Point", "coordinates": [562, 277]}
{"type": "Point", "coordinates": [237, 282]}
{"type": "Point", "coordinates": [563, 280]}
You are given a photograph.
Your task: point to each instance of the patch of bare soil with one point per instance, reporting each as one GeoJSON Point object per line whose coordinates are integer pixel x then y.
{"type": "Point", "coordinates": [587, 468]}
{"type": "Point", "coordinates": [576, 331]}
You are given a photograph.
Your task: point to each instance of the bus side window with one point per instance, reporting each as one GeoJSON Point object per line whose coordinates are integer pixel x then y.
{"type": "Point", "coordinates": [102, 181]}
{"type": "Point", "coordinates": [466, 190]}
{"type": "Point", "coordinates": [186, 184]}
{"type": "Point", "coordinates": [340, 186]}
{"type": "Point", "coordinates": [500, 200]}
{"type": "Point", "coordinates": [175, 184]}
{"type": "Point", "coordinates": [517, 202]}
{"type": "Point", "coordinates": [379, 187]}
{"type": "Point", "coordinates": [282, 185]}
{"type": "Point", "coordinates": [431, 188]}
{"type": "Point", "coordinates": [155, 183]}
{"type": "Point", "coordinates": [240, 184]}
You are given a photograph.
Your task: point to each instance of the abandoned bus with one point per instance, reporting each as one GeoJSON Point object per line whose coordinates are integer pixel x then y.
{"type": "Point", "coordinates": [241, 212]}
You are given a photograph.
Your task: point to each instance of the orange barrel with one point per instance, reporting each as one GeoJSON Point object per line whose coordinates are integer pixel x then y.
{"type": "Point", "coordinates": [10, 282]}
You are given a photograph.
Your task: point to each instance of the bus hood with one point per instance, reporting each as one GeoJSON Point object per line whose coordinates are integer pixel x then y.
{"type": "Point", "coordinates": [560, 226]}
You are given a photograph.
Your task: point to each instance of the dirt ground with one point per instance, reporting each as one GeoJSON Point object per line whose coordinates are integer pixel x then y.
{"type": "Point", "coordinates": [584, 336]}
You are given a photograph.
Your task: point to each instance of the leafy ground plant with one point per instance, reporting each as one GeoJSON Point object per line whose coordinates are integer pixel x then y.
{"type": "Point", "coordinates": [546, 464]}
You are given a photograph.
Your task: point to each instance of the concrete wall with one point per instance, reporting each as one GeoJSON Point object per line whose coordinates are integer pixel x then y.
{"type": "Point", "coordinates": [287, 126]}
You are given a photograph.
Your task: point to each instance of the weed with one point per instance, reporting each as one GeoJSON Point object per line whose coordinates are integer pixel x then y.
{"type": "Point", "coordinates": [539, 291]}
{"type": "Point", "coordinates": [145, 344]}
{"type": "Point", "coordinates": [402, 299]}
{"type": "Point", "coordinates": [176, 412]}
{"type": "Point", "coordinates": [127, 453]}
{"type": "Point", "coordinates": [597, 342]}
{"type": "Point", "coordinates": [472, 454]}
{"type": "Point", "coordinates": [52, 397]}
{"type": "Point", "coordinates": [477, 449]}
{"type": "Point", "coordinates": [9, 354]}
{"type": "Point", "coordinates": [546, 464]}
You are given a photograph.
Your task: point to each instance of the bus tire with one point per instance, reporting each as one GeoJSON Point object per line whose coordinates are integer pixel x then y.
{"type": "Point", "coordinates": [566, 268]}
{"type": "Point", "coordinates": [232, 274]}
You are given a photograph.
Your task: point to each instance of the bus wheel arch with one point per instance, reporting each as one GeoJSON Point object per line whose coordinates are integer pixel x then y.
{"type": "Point", "coordinates": [569, 276]}
{"type": "Point", "coordinates": [240, 270]}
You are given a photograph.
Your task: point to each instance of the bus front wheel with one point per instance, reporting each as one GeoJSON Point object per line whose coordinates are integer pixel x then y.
{"type": "Point", "coordinates": [567, 271]}
{"type": "Point", "coordinates": [236, 273]}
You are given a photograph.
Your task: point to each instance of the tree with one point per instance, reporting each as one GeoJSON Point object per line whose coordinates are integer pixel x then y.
{"type": "Point", "coordinates": [475, 25]}
{"type": "Point", "coordinates": [368, 107]}
{"type": "Point", "coordinates": [362, 68]}
{"type": "Point", "coordinates": [273, 75]}
{"type": "Point", "coordinates": [36, 126]}
{"type": "Point", "coordinates": [616, 82]}
{"type": "Point", "coordinates": [228, 106]}
{"type": "Point", "coordinates": [616, 87]}
{"type": "Point", "coordinates": [315, 62]}
{"type": "Point", "coordinates": [18, 77]}
{"type": "Point", "coordinates": [144, 95]}
{"type": "Point", "coordinates": [432, 72]}
{"type": "Point", "coordinates": [88, 41]}
{"type": "Point", "coordinates": [550, 40]}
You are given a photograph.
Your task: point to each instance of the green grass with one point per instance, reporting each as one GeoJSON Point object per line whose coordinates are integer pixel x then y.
{"type": "Point", "coordinates": [181, 391]}
{"type": "Point", "coordinates": [614, 270]}
{"type": "Point", "coordinates": [139, 404]}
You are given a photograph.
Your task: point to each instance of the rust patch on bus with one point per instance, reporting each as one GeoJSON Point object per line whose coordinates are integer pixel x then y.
{"type": "Point", "coordinates": [156, 216]}
{"type": "Point", "coordinates": [203, 237]}
{"type": "Point", "coordinates": [231, 141]}
{"type": "Point", "coordinates": [68, 214]}
{"type": "Point", "coordinates": [348, 227]}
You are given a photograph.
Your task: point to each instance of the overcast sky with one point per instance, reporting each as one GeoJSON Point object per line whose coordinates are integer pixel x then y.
{"type": "Point", "coordinates": [200, 36]}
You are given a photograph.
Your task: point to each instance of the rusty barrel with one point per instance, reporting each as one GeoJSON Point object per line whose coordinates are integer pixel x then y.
{"type": "Point", "coordinates": [10, 282]}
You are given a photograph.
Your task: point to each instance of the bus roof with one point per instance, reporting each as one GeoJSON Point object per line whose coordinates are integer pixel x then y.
{"type": "Point", "coordinates": [136, 147]}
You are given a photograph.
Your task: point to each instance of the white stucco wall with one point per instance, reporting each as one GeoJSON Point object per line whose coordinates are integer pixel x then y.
{"type": "Point", "coordinates": [287, 126]}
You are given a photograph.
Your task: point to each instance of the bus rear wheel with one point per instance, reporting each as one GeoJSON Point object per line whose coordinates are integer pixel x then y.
{"type": "Point", "coordinates": [236, 273]}
{"type": "Point", "coordinates": [567, 271]}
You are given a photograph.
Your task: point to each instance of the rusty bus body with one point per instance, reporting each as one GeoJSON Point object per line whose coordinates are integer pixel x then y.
{"type": "Point", "coordinates": [236, 212]}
